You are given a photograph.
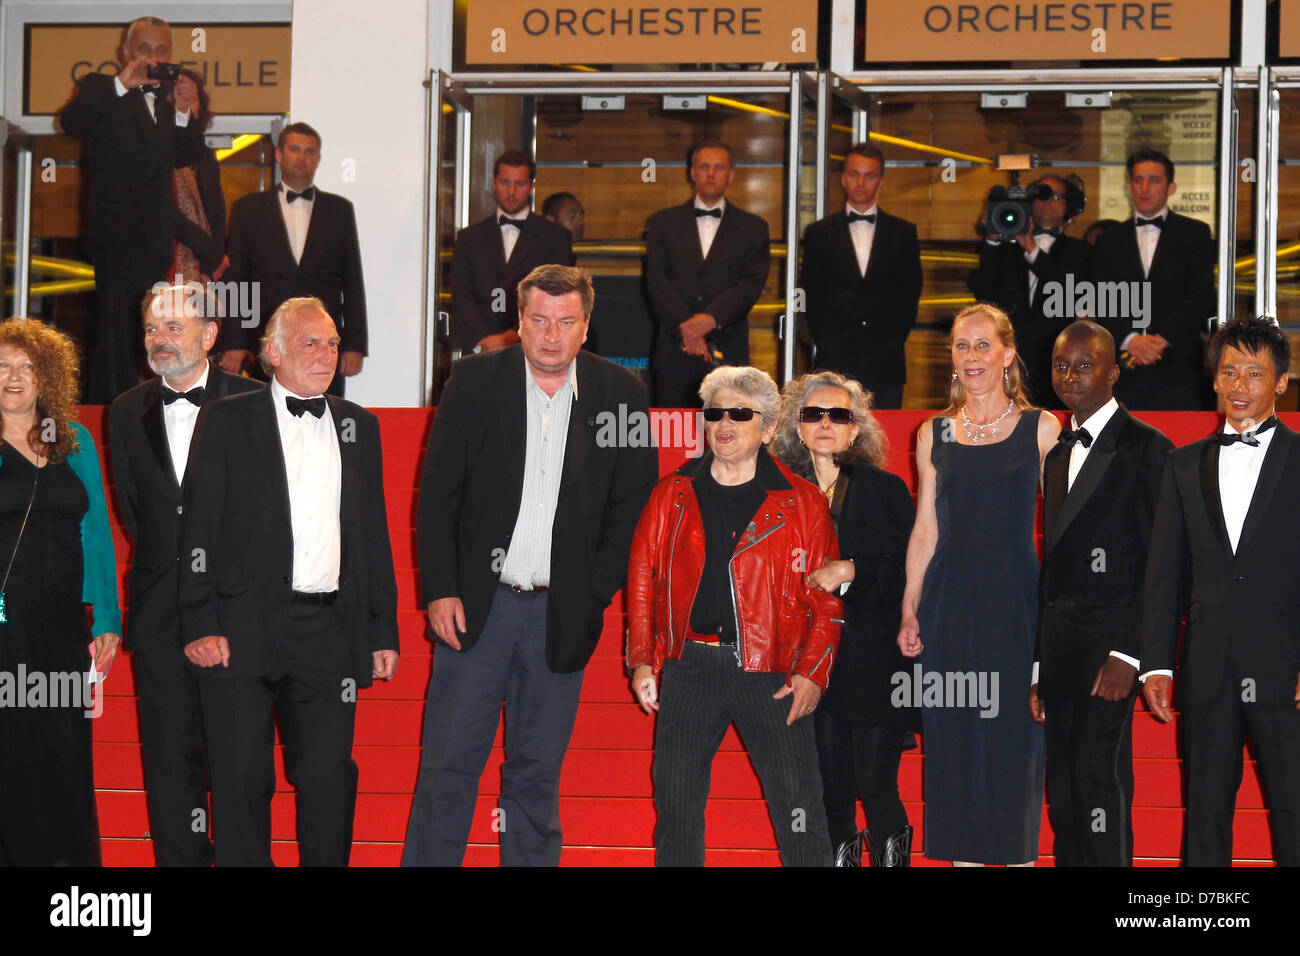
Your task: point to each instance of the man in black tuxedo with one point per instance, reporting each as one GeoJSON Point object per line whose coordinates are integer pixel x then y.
{"type": "Point", "coordinates": [528, 501]}
{"type": "Point", "coordinates": [494, 254]}
{"type": "Point", "coordinates": [297, 240]}
{"type": "Point", "coordinates": [150, 427]}
{"type": "Point", "coordinates": [706, 263]}
{"type": "Point", "coordinates": [1161, 349]}
{"type": "Point", "coordinates": [1020, 275]}
{"type": "Point", "coordinates": [1100, 487]}
{"type": "Point", "coordinates": [135, 135]}
{"type": "Point", "coordinates": [862, 281]}
{"type": "Point", "coordinates": [287, 593]}
{"type": "Point", "coordinates": [1225, 550]}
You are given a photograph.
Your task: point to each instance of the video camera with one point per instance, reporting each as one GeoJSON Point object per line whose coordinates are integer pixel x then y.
{"type": "Point", "coordinates": [165, 74]}
{"type": "Point", "coordinates": [1008, 209]}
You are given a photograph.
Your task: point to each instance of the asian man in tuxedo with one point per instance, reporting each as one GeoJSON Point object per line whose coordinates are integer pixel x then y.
{"type": "Point", "coordinates": [1161, 349]}
{"type": "Point", "coordinates": [862, 282]}
{"type": "Point", "coordinates": [706, 263]}
{"type": "Point", "coordinates": [135, 135]}
{"type": "Point", "coordinates": [1020, 275]}
{"type": "Point", "coordinates": [1100, 487]}
{"type": "Point", "coordinates": [1225, 553]}
{"type": "Point", "coordinates": [287, 593]}
{"type": "Point", "coordinates": [297, 240]}
{"type": "Point", "coordinates": [150, 428]}
{"type": "Point", "coordinates": [494, 254]}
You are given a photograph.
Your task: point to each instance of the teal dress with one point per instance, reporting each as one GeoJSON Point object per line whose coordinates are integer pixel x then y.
{"type": "Point", "coordinates": [63, 561]}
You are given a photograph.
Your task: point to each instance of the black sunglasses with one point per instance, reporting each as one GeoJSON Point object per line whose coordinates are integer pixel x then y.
{"type": "Point", "coordinates": [738, 414]}
{"type": "Point", "coordinates": [812, 414]}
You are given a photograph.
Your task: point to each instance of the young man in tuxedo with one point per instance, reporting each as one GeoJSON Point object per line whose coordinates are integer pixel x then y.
{"type": "Point", "coordinates": [287, 593]}
{"type": "Point", "coordinates": [1020, 275]}
{"type": "Point", "coordinates": [526, 515]}
{"type": "Point", "coordinates": [1161, 350]}
{"type": "Point", "coordinates": [297, 240]}
{"type": "Point", "coordinates": [494, 254]}
{"type": "Point", "coordinates": [150, 428]}
{"type": "Point", "coordinates": [1225, 551]}
{"type": "Point", "coordinates": [1100, 487]}
{"type": "Point", "coordinates": [706, 263]}
{"type": "Point", "coordinates": [135, 135]}
{"type": "Point", "coordinates": [862, 281]}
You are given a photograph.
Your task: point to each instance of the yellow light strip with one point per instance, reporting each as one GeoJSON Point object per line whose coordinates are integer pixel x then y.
{"type": "Point", "coordinates": [47, 265]}
{"type": "Point", "coordinates": [243, 141]}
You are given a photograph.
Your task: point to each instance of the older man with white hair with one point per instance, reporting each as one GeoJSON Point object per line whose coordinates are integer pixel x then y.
{"type": "Point", "coordinates": [288, 598]}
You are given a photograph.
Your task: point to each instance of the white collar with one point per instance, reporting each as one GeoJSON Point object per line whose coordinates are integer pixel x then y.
{"type": "Point", "coordinates": [1098, 420]}
{"type": "Point", "coordinates": [517, 217]}
{"type": "Point", "coordinates": [1262, 437]}
{"type": "Point", "coordinates": [1162, 214]}
{"type": "Point", "coordinates": [700, 204]}
{"type": "Point", "coordinates": [875, 206]}
{"type": "Point", "coordinates": [530, 381]}
{"type": "Point", "coordinates": [279, 393]}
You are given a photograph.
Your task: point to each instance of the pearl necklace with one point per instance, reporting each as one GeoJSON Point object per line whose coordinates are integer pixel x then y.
{"type": "Point", "coordinates": [976, 433]}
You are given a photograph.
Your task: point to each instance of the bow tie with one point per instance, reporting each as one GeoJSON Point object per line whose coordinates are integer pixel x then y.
{"type": "Point", "coordinates": [507, 221]}
{"type": "Point", "coordinates": [861, 217]}
{"type": "Point", "coordinates": [1068, 437]}
{"type": "Point", "coordinates": [1054, 231]}
{"type": "Point", "coordinates": [715, 213]}
{"type": "Point", "coordinates": [1158, 222]}
{"type": "Point", "coordinates": [1246, 438]}
{"type": "Point", "coordinates": [194, 396]}
{"type": "Point", "coordinates": [308, 194]}
{"type": "Point", "coordinates": [296, 406]}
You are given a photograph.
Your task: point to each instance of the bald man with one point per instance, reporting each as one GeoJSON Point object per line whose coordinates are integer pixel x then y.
{"type": "Point", "coordinates": [1101, 484]}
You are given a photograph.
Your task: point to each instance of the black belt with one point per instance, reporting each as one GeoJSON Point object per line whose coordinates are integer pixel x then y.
{"type": "Point", "coordinates": [518, 590]}
{"type": "Point", "coordinates": [315, 598]}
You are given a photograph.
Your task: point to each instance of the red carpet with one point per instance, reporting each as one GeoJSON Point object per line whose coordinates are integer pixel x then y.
{"type": "Point", "coordinates": [606, 803]}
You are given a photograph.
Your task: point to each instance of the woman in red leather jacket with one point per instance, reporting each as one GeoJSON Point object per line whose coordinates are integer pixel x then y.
{"type": "Point", "coordinates": [721, 615]}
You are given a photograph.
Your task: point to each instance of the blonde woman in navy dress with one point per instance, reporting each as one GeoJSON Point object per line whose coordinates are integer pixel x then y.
{"type": "Point", "coordinates": [971, 604]}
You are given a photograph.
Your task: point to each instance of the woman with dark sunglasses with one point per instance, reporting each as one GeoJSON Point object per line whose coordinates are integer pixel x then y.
{"type": "Point", "coordinates": [828, 435]}
{"type": "Point", "coordinates": [724, 627]}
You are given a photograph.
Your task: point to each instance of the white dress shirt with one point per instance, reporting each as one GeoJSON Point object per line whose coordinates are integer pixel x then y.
{"type": "Point", "coordinates": [707, 226]}
{"type": "Point", "coordinates": [178, 421]}
{"type": "Point", "coordinates": [862, 233]}
{"type": "Point", "coordinates": [182, 119]}
{"type": "Point", "coordinates": [297, 219]}
{"type": "Point", "coordinates": [528, 560]}
{"type": "Point", "coordinates": [1147, 237]}
{"type": "Point", "coordinates": [1043, 243]}
{"type": "Point", "coordinates": [314, 467]}
{"type": "Point", "coordinates": [509, 233]}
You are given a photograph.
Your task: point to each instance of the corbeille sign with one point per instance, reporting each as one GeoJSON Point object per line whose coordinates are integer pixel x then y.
{"type": "Point", "coordinates": [245, 67]}
{"type": "Point", "coordinates": [570, 31]}
{"type": "Point", "coordinates": [931, 31]}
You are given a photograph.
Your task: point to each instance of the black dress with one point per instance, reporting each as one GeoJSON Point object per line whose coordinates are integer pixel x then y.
{"type": "Point", "coordinates": [47, 796]}
{"type": "Point", "coordinates": [978, 615]}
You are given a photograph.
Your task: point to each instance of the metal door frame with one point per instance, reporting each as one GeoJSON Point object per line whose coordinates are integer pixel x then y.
{"type": "Point", "coordinates": [11, 137]}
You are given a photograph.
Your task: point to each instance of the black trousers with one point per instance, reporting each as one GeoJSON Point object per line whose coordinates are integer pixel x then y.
{"type": "Point", "coordinates": [171, 743]}
{"type": "Point", "coordinates": [1090, 780]}
{"type": "Point", "coordinates": [858, 760]}
{"type": "Point", "coordinates": [701, 695]}
{"type": "Point", "coordinates": [304, 687]}
{"type": "Point", "coordinates": [122, 277]}
{"type": "Point", "coordinates": [1213, 735]}
{"type": "Point", "coordinates": [508, 662]}
{"type": "Point", "coordinates": [677, 378]}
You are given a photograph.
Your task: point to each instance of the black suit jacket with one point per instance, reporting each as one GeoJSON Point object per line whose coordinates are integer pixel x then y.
{"type": "Point", "coordinates": [473, 480]}
{"type": "Point", "coordinates": [479, 269]}
{"type": "Point", "coordinates": [1095, 541]}
{"type": "Point", "coordinates": [130, 159]}
{"type": "Point", "coordinates": [1182, 300]}
{"type": "Point", "coordinates": [860, 322]}
{"type": "Point", "coordinates": [330, 269]}
{"type": "Point", "coordinates": [1003, 279]}
{"type": "Point", "coordinates": [148, 498]}
{"type": "Point", "coordinates": [237, 541]}
{"type": "Point", "coordinates": [680, 282]}
{"type": "Point", "coordinates": [1243, 609]}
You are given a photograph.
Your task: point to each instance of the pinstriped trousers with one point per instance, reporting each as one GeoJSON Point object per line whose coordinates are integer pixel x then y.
{"type": "Point", "coordinates": [699, 698]}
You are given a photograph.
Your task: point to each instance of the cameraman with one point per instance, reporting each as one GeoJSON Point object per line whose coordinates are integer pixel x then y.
{"type": "Point", "coordinates": [1014, 271]}
{"type": "Point", "coordinates": [135, 131]}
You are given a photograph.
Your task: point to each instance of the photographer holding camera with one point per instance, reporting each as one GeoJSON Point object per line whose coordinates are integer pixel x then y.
{"type": "Point", "coordinates": [1020, 256]}
{"type": "Point", "coordinates": [136, 129]}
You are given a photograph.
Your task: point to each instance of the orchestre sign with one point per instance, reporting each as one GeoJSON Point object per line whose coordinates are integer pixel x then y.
{"type": "Point", "coordinates": [655, 31]}
{"type": "Point", "coordinates": [946, 30]}
{"type": "Point", "coordinates": [245, 66]}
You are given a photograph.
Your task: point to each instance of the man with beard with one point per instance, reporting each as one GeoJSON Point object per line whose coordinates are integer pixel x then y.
{"type": "Point", "coordinates": [150, 427]}
{"type": "Point", "coordinates": [493, 256]}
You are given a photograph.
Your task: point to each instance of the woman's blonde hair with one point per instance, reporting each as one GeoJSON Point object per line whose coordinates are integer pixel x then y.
{"type": "Point", "coordinates": [1013, 383]}
{"type": "Point", "coordinates": [55, 364]}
